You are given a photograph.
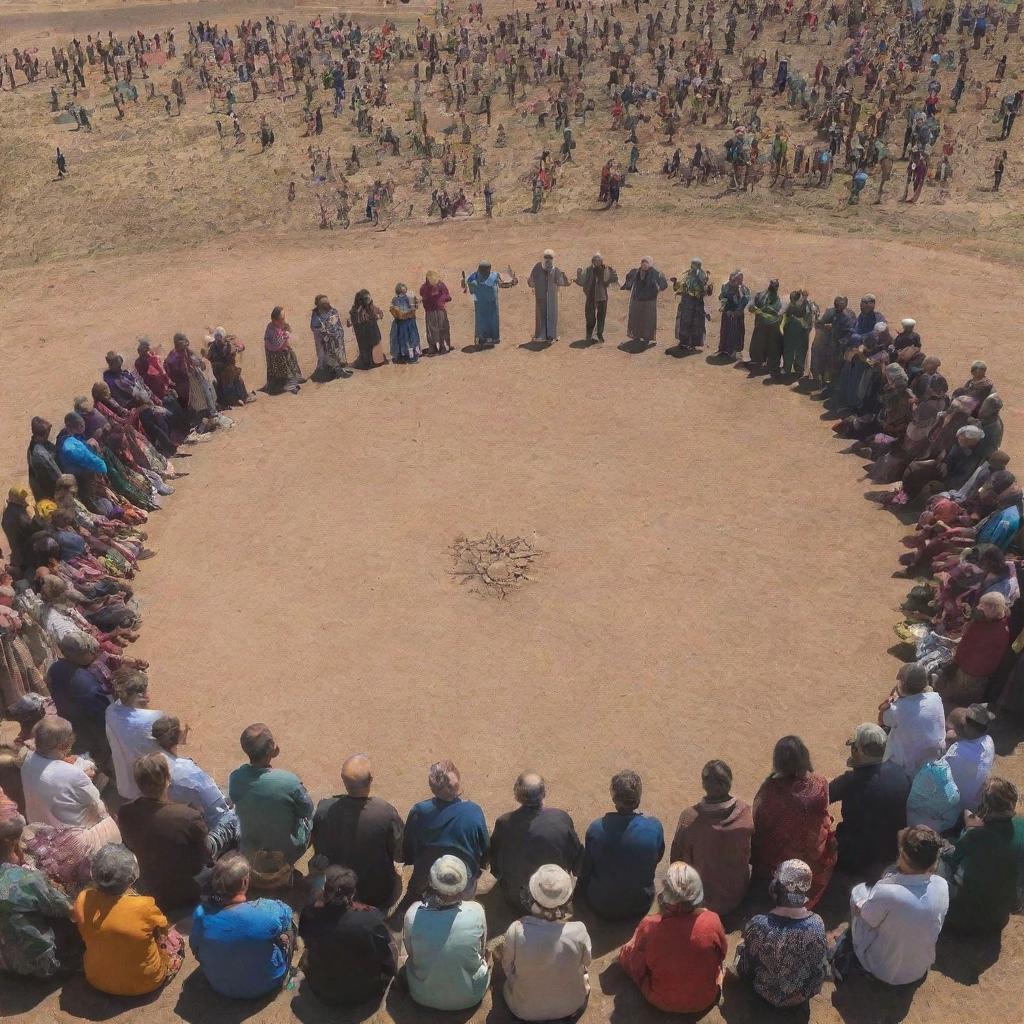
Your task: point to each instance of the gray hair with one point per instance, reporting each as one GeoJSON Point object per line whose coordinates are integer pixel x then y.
{"type": "Point", "coordinates": [443, 779]}
{"type": "Point", "coordinates": [77, 643]}
{"type": "Point", "coordinates": [226, 879]}
{"type": "Point", "coordinates": [53, 735]}
{"type": "Point", "coordinates": [979, 364]}
{"type": "Point", "coordinates": [114, 869]}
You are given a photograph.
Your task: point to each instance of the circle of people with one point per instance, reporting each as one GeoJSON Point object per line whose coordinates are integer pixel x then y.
{"type": "Point", "coordinates": [930, 831]}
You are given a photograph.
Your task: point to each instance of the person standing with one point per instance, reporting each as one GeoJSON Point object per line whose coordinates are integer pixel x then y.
{"type": "Point", "coordinates": [484, 284]}
{"type": "Point", "coordinates": [545, 279]}
{"type": "Point", "coordinates": [329, 340]}
{"type": "Point", "coordinates": [595, 281]}
{"type": "Point", "coordinates": [691, 317]}
{"type": "Point", "coordinates": [998, 168]}
{"type": "Point", "coordinates": [435, 297]}
{"type": "Point", "coordinates": [643, 284]}
{"type": "Point", "coordinates": [364, 318]}
{"type": "Point", "coordinates": [405, 335]}
{"type": "Point", "coordinates": [795, 334]}
{"type": "Point", "coordinates": [764, 339]}
{"type": "Point", "coordinates": [62, 165]}
{"type": "Point", "coordinates": [283, 373]}
{"type": "Point", "coordinates": [734, 299]}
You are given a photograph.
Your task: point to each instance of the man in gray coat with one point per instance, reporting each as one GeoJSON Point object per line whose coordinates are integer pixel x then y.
{"type": "Point", "coordinates": [545, 279]}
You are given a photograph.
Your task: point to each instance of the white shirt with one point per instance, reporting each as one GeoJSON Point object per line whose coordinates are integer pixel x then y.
{"type": "Point", "coordinates": [545, 964]}
{"type": "Point", "coordinates": [191, 785]}
{"type": "Point", "coordinates": [58, 793]}
{"type": "Point", "coordinates": [130, 733]}
{"type": "Point", "coordinates": [971, 762]}
{"type": "Point", "coordinates": [898, 924]}
{"type": "Point", "coordinates": [917, 726]}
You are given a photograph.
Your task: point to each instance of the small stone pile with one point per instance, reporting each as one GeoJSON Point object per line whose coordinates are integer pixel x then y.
{"type": "Point", "coordinates": [497, 564]}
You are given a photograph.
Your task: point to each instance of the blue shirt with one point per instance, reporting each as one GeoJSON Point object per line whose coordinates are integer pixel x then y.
{"type": "Point", "coordinates": [77, 694]}
{"type": "Point", "coordinates": [436, 827]}
{"type": "Point", "coordinates": [75, 456]}
{"type": "Point", "coordinates": [620, 855]}
{"type": "Point", "coordinates": [1000, 528]}
{"type": "Point", "coordinates": [238, 949]}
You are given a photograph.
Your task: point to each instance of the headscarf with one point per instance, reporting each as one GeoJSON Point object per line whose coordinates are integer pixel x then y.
{"type": "Point", "coordinates": [791, 883]}
{"type": "Point", "coordinates": [682, 885]}
{"type": "Point", "coordinates": [18, 496]}
{"type": "Point", "coordinates": [45, 508]}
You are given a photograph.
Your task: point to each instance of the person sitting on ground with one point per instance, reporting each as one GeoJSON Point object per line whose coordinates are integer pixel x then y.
{"type": "Point", "coordinates": [981, 866]}
{"type": "Point", "coordinates": [895, 923]}
{"type": "Point", "coordinates": [675, 956]}
{"type": "Point", "coordinates": [129, 723]}
{"type": "Point", "coordinates": [714, 837]}
{"type": "Point", "coordinates": [981, 649]}
{"type": "Point", "coordinates": [191, 785]}
{"type": "Point", "coordinates": [934, 799]}
{"type": "Point", "coordinates": [243, 947]}
{"type": "Point", "coordinates": [130, 947]}
{"type": "Point", "coordinates": [620, 854]}
{"type": "Point", "coordinates": [168, 839]}
{"type": "Point", "coordinates": [58, 788]}
{"type": "Point", "coordinates": [361, 832]}
{"type": "Point", "coordinates": [37, 938]}
{"type": "Point", "coordinates": [873, 798]}
{"type": "Point", "coordinates": [784, 953]}
{"type": "Point", "coordinates": [80, 696]}
{"type": "Point", "coordinates": [971, 755]}
{"type": "Point", "coordinates": [545, 955]}
{"type": "Point", "coordinates": [791, 818]}
{"type": "Point", "coordinates": [526, 839]}
{"type": "Point", "coordinates": [444, 824]}
{"type": "Point", "coordinates": [350, 956]}
{"type": "Point", "coordinates": [915, 718]}
{"type": "Point", "coordinates": [274, 810]}
{"type": "Point", "coordinates": [445, 940]}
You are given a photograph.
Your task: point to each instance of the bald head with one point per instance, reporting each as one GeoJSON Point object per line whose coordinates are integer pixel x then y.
{"type": "Point", "coordinates": [529, 789]}
{"type": "Point", "coordinates": [356, 775]}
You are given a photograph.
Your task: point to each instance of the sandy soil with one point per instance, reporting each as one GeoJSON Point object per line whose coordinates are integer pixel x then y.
{"type": "Point", "coordinates": [711, 578]}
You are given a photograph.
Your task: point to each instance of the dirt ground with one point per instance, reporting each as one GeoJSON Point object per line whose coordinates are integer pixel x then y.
{"type": "Point", "coordinates": [711, 576]}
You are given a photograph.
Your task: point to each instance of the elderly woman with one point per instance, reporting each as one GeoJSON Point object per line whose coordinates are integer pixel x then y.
{"type": "Point", "coordinates": [243, 946]}
{"type": "Point", "coordinates": [405, 335]}
{"type": "Point", "coordinates": [130, 948]}
{"type": "Point", "coordinates": [784, 953]}
{"type": "Point", "coordinates": [329, 341]}
{"type": "Point", "coordinates": [982, 865]}
{"type": "Point", "coordinates": [676, 956]}
{"type": "Point", "coordinates": [222, 351]}
{"type": "Point", "coordinates": [19, 673]}
{"type": "Point", "coordinates": [350, 956]}
{"type": "Point", "coordinates": [980, 651]}
{"type": "Point", "coordinates": [363, 318]}
{"type": "Point", "coordinates": [643, 284]}
{"type": "Point", "coordinates": [978, 387]}
{"type": "Point", "coordinates": [37, 938]}
{"type": "Point", "coordinates": [59, 789]}
{"type": "Point", "coordinates": [446, 942]}
{"type": "Point", "coordinates": [948, 471]}
{"type": "Point", "coordinates": [545, 956]}
{"type": "Point", "coordinates": [435, 295]}
{"type": "Point", "coordinates": [791, 818]}
{"type": "Point", "coordinates": [283, 373]}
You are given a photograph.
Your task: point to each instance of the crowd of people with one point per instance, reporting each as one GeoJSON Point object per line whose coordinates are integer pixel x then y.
{"type": "Point", "coordinates": [107, 829]}
{"type": "Point", "coordinates": [851, 87]}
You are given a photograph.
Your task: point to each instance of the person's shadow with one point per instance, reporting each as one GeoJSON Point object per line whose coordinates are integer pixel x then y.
{"type": "Point", "coordinates": [964, 959]}
{"type": "Point", "coordinates": [309, 1010]}
{"type": "Point", "coordinates": [634, 348]}
{"type": "Point", "coordinates": [537, 345]}
{"type": "Point", "coordinates": [198, 1003]}
{"type": "Point", "coordinates": [862, 999]}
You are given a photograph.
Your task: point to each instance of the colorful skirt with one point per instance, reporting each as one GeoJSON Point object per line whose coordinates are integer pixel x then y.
{"type": "Point", "coordinates": [283, 373]}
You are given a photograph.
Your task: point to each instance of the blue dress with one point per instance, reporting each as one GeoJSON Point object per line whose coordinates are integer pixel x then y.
{"type": "Point", "coordinates": [405, 335]}
{"type": "Point", "coordinates": [485, 301]}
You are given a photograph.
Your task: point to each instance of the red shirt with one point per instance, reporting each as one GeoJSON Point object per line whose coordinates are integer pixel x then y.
{"type": "Point", "coordinates": [676, 959]}
{"type": "Point", "coordinates": [153, 375]}
{"type": "Point", "coordinates": [982, 646]}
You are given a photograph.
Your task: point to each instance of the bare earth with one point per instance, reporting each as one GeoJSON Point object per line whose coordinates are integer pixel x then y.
{"type": "Point", "coordinates": [711, 577]}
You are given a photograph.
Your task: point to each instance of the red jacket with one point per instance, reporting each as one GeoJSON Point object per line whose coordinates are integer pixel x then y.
{"type": "Point", "coordinates": [982, 646]}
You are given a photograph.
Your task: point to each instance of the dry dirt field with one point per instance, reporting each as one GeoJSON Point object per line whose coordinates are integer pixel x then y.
{"type": "Point", "coordinates": [710, 575]}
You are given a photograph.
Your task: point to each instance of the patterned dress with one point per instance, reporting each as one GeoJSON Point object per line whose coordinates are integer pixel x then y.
{"type": "Point", "coordinates": [28, 905]}
{"type": "Point", "coordinates": [785, 958]}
